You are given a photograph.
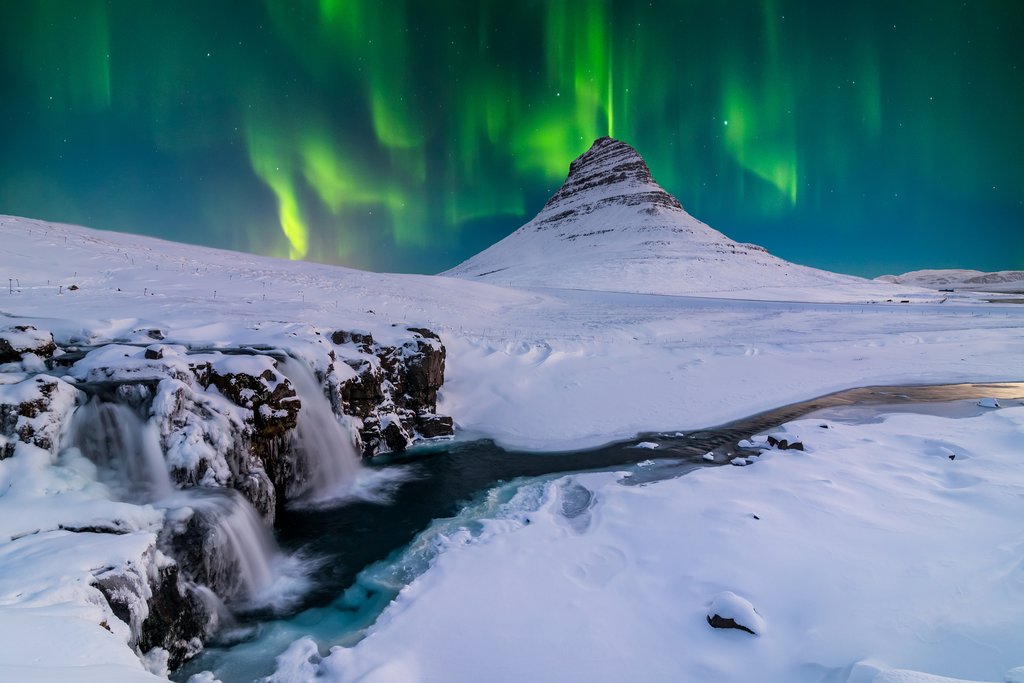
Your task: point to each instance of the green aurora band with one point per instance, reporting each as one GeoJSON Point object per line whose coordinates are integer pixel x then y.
{"type": "Point", "coordinates": [865, 137]}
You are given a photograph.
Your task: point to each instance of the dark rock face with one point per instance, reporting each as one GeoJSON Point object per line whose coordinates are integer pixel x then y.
{"type": "Point", "coordinates": [433, 426]}
{"type": "Point", "coordinates": [784, 444]}
{"type": "Point", "coordinates": [347, 337]}
{"type": "Point", "coordinates": [179, 618]}
{"type": "Point", "coordinates": [362, 394]}
{"type": "Point", "coordinates": [275, 408]}
{"type": "Point", "coordinates": [617, 172]}
{"type": "Point", "coordinates": [161, 609]}
{"type": "Point", "coordinates": [395, 437]}
{"type": "Point", "coordinates": [721, 622]}
{"type": "Point", "coordinates": [396, 397]}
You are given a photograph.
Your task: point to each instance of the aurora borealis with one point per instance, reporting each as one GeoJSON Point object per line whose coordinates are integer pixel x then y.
{"type": "Point", "coordinates": [865, 137]}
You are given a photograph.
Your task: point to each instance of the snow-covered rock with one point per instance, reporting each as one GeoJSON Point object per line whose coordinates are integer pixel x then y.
{"type": "Point", "coordinates": [35, 410]}
{"type": "Point", "coordinates": [783, 443]}
{"type": "Point", "coordinates": [988, 403]}
{"type": "Point", "coordinates": [20, 340]}
{"type": "Point", "coordinates": [728, 610]}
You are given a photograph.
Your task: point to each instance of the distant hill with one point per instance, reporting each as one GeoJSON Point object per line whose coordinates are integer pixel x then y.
{"type": "Point", "coordinates": [975, 280]}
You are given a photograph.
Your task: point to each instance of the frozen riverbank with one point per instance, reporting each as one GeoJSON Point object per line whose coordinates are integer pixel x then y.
{"type": "Point", "coordinates": [871, 551]}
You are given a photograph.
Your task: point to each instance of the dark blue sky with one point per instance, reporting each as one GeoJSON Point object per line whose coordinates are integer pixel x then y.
{"type": "Point", "coordinates": [865, 137]}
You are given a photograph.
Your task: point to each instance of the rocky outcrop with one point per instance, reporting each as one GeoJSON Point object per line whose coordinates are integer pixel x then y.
{"type": "Point", "coordinates": [161, 610]}
{"type": "Point", "coordinates": [393, 391]}
{"type": "Point", "coordinates": [20, 340]}
{"type": "Point", "coordinates": [273, 410]}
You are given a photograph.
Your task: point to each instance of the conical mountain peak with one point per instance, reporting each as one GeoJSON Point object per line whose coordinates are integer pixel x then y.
{"type": "Point", "coordinates": [609, 156]}
{"type": "Point", "coordinates": [609, 169]}
{"type": "Point", "coordinates": [612, 227]}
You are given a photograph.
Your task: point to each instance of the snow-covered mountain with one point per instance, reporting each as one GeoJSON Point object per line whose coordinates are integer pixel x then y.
{"type": "Point", "coordinates": [612, 227]}
{"type": "Point", "coordinates": [1001, 281]}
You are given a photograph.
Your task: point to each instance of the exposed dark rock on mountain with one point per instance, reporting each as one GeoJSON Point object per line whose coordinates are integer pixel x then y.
{"type": "Point", "coordinates": [617, 171]}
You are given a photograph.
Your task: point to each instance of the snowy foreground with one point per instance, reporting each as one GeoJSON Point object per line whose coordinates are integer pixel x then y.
{"type": "Point", "coordinates": [873, 549]}
{"type": "Point", "coordinates": [868, 557]}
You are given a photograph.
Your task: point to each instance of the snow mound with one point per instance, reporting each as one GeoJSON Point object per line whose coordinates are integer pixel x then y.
{"type": "Point", "coordinates": [873, 672]}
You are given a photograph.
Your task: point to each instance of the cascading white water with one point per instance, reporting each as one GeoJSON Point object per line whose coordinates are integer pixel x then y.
{"type": "Point", "coordinates": [126, 448]}
{"type": "Point", "coordinates": [324, 445]}
{"type": "Point", "coordinates": [239, 556]}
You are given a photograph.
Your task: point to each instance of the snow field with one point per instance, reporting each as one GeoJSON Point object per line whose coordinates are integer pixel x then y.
{"type": "Point", "coordinates": [871, 547]}
{"type": "Point", "coordinates": [870, 557]}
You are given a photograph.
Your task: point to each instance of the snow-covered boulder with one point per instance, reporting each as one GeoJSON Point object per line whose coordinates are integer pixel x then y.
{"type": "Point", "coordinates": [988, 403]}
{"type": "Point", "coordinates": [728, 610]}
{"type": "Point", "coordinates": [36, 411]}
{"type": "Point", "coordinates": [784, 444]}
{"type": "Point", "coordinates": [17, 341]}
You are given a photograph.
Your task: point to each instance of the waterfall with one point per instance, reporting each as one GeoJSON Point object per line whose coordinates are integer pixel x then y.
{"type": "Point", "coordinates": [322, 445]}
{"type": "Point", "coordinates": [126, 448]}
{"type": "Point", "coordinates": [229, 547]}
{"type": "Point", "coordinates": [216, 534]}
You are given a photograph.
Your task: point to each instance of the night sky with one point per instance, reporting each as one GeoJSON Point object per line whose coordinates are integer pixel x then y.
{"type": "Point", "coordinates": [864, 137]}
